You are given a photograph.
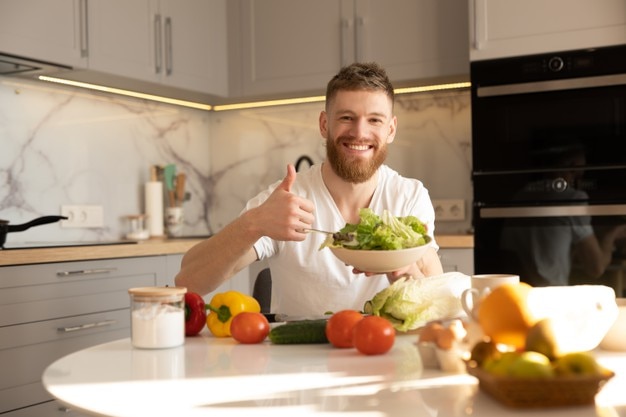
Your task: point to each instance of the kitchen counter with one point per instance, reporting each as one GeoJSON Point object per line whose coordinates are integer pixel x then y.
{"type": "Point", "coordinates": [151, 247]}
{"type": "Point", "coordinates": [211, 376]}
{"type": "Point", "coordinates": [455, 241]}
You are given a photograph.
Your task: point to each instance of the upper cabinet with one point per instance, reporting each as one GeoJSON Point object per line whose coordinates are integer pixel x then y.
{"type": "Point", "coordinates": [225, 50]}
{"type": "Point", "coordinates": [178, 44]}
{"type": "Point", "coordinates": [53, 31]}
{"type": "Point", "coordinates": [503, 28]}
{"type": "Point", "coordinates": [286, 46]}
{"type": "Point", "coordinates": [412, 39]}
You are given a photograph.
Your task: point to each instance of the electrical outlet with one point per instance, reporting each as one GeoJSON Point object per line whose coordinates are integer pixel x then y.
{"type": "Point", "coordinates": [82, 216]}
{"type": "Point", "coordinates": [449, 210]}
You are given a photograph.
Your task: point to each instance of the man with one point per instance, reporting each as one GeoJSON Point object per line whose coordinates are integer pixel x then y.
{"type": "Point", "coordinates": [357, 124]}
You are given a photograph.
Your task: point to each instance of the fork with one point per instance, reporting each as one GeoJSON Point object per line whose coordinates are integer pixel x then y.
{"type": "Point", "coordinates": [337, 236]}
{"type": "Point", "coordinates": [315, 230]}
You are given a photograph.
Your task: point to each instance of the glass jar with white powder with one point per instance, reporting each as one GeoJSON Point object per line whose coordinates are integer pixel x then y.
{"type": "Point", "coordinates": [157, 317]}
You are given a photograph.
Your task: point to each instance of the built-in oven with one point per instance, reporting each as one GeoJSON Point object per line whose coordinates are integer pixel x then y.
{"type": "Point", "coordinates": [549, 166]}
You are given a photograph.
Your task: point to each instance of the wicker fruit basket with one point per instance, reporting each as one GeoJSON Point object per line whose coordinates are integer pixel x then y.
{"type": "Point", "coordinates": [538, 392]}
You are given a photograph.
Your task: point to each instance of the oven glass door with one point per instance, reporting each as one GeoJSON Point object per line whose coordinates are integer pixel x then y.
{"type": "Point", "coordinates": [554, 244]}
{"type": "Point", "coordinates": [533, 130]}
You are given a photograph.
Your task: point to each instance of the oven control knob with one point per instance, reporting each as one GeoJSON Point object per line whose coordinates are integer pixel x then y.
{"type": "Point", "coordinates": [555, 64]}
{"type": "Point", "coordinates": [559, 185]}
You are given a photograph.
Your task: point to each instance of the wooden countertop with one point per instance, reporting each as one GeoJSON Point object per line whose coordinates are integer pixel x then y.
{"type": "Point", "coordinates": [151, 247]}
{"type": "Point", "coordinates": [455, 241]}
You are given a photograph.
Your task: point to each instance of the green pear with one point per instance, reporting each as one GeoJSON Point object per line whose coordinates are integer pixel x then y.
{"type": "Point", "coordinates": [500, 364]}
{"type": "Point", "coordinates": [542, 338]}
{"type": "Point", "coordinates": [577, 363]}
{"type": "Point", "coordinates": [531, 365]}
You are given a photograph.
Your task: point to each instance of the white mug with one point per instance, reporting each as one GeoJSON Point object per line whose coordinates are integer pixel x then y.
{"type": "Point", "coordinates": [481, 285]}
{"type": "Point", "coordinates": [174, 220]}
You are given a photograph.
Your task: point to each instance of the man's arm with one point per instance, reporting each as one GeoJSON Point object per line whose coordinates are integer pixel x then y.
{"type": "Point", "coordinates": [211, 262]}
{"type": "Point", "coordinates": [281, 217]}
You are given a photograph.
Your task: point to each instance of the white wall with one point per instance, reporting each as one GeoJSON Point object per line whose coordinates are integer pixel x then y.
{"type": "Point", "coordinates": [61, 145]}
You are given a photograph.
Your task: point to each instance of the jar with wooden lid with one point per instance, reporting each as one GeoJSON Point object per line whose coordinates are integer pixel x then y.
{"type": "Point", "coordinates": [157, 317]}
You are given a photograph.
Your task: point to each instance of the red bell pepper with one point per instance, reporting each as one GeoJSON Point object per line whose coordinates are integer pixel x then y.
{"type": "Point", "coordinates": [195, 313]}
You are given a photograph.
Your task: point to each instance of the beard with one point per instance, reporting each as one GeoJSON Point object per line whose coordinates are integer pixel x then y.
{"type": "Point", "coordinates": [354, 170]}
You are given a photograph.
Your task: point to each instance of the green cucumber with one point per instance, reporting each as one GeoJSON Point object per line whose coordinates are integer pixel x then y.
{"type": "Point", "coordinates": [301, 331]}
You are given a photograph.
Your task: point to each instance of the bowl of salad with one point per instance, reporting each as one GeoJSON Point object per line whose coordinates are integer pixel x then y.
{"type": "Point", "coordinates": [380, 243]}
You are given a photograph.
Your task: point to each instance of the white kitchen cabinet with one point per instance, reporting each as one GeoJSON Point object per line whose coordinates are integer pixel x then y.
{"type": "Point", "coordinates": [50, 310]}
{"type": "Point", "coordinates": [457, 259]}
{"type": "Point", "coordinates": [286, 46]}
{"type": "Point", "coordinates": [52, 31]}
{"type": "Point", "coordinates": [171, 269]}
{"type": "Point", "coordinates": [177, 44]}
{"type": "Point", "coordinates": [504, 28]}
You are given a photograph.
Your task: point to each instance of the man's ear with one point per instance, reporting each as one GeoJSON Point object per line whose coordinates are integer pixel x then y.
{"type": "Point", "coordinates": [323, 123]}
{"type": "Point", "coordinates": [393, 126]}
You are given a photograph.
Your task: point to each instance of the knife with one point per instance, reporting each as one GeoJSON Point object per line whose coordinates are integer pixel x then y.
{"type": "Point", "coordinates": [287, 318]}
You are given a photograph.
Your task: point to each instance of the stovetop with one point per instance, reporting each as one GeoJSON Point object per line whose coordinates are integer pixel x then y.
{"type": "Point", "coordinates": [41, 245]}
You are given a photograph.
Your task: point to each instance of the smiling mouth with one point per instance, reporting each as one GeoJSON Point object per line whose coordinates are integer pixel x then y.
{"type": "Point", "coordinates": [357, 147]}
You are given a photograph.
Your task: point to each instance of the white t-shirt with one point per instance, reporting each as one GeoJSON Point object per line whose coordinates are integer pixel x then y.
{"type": "Point", "coordinates": [307, 281]}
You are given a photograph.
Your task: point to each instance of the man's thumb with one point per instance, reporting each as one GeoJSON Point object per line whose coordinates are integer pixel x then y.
{"type": "Point", "coordinates": [289, 179]}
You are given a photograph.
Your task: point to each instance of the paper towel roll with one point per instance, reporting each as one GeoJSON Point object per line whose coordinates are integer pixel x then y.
{"type": "Point", "coordinates": [154, 207]}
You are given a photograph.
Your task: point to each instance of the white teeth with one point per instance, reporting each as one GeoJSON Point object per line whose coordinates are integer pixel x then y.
{"type": "Point", "coordinates": [359, 147]}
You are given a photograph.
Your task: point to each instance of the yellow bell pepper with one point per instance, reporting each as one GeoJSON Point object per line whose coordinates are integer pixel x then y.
{"type": "Point", "coordinates": [224, 306]}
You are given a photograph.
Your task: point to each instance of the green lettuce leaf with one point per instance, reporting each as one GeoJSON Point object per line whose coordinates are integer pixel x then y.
{"type": "Point", "coordinates": [411, 303]}
{"type": "Point", "coordinates": [385, 232]}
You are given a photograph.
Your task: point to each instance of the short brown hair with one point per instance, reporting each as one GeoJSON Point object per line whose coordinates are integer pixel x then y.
{"type": "Point", "coordinates": [360, 76]}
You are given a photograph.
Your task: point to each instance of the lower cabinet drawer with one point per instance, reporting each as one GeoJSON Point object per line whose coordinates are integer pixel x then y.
{"type": "Point", "coordinates": [34, 303]}
{"type": "Point", "coordinates": [50, 310]}
{"type": "Point", "coordinates": [47, 409]}
{"type": "Point", "coordinates": [27, 349]}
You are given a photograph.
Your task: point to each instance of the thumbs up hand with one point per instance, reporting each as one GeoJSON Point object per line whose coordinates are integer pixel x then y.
{"type": "Point", "coordinates": [284, 215]}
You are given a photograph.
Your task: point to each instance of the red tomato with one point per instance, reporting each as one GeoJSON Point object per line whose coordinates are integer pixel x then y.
{"type": "Point", "coordinates": [248, 327]}
{"type": "Point", "coordinates": [373, 335]}
{"type": "Point", "coordinates": [340, 326]}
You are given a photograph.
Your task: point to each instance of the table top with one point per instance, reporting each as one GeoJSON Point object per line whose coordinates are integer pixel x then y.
{"type": "Point", "coordinates": [210, 376]}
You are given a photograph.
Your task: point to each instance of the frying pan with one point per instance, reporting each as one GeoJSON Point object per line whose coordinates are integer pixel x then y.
{"type": "Point", "coordinates": [6, 228]}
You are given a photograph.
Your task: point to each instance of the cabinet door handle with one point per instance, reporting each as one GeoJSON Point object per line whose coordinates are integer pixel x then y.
{"type": "Point", "coordinates": [168, 46]}
{"type": "Point", "coordinates": [359, 38]}
{"type": "Point", "coordinates": [552, 211]}
{"type": "Point", "coordinates": [157, 44]}
{"type": "Point", "coordinates": [85, 272]}
{"type": "Point", "coordinates": [347, 48]}
{"type": "Point", "coordinates": [84, 40]}
{"type": "Point", "coordinates": [480, 23]}
{"type": "Point", "coordinates": [86, 326]}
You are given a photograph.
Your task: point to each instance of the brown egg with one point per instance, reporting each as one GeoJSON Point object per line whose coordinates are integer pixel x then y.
{"type": "Point", "coordinates": [429, 332]}
{"type": "Point", "coordinates": [445, 339]}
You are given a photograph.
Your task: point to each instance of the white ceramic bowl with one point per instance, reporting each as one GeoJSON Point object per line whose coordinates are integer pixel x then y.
{"type": "Point", "coordinates": [380, 260]}
{"type": "Point", "coordinates": [615, 338]}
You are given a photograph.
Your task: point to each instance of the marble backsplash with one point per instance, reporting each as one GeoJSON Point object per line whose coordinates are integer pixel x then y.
{"type": "Point", "coordinates": [67, 146]}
